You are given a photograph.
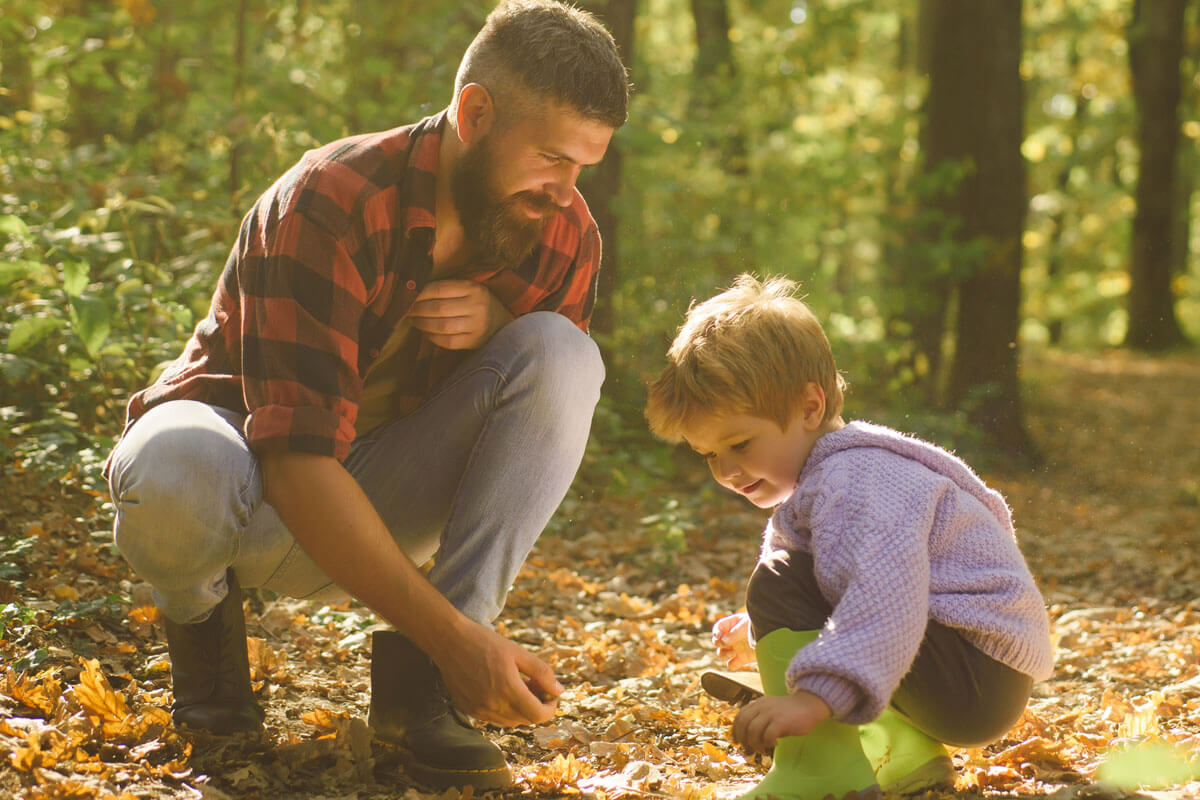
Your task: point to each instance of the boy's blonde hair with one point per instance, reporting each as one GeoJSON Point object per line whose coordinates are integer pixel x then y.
{"type": "Point", "coordinates": [749, 350]}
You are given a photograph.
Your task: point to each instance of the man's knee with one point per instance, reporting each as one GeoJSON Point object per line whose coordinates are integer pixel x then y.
{"type": "Point", "coordinates": [175, 488]}
{"type": "Point", "coordinates": [565, 357]}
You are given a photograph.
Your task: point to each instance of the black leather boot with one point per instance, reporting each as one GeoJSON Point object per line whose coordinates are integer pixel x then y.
{"type": "Point", "coordinates": [410, 708]}
{"type": "Point", "coordinates": [210, 670]}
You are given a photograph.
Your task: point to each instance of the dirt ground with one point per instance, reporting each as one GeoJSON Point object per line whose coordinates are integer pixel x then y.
{"type": "Point", "coordinates": [1110, 524]}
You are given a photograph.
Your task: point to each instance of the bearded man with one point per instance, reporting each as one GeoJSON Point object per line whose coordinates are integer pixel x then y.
{"type": "Point", "coordinates": [395, 370]}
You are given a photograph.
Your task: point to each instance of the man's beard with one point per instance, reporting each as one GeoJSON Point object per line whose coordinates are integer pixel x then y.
{"type": "Point", "coordinates": [495, 226]}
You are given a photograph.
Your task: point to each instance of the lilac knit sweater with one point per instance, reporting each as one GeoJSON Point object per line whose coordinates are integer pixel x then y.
{"type": "Point", "coordinates": [901, 531]}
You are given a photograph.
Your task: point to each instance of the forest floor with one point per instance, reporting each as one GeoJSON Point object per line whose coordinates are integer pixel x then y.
{"type": "Point", "coordinates": [1110, 524]}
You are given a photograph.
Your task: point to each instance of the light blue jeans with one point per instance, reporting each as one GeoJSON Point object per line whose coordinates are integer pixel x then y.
{"type": "Point", "coordinates": [472, 476]}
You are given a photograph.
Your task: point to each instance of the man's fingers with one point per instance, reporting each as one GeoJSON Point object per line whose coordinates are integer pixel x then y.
{"type": "Point", "coordinates": [499, 718]}
{"type": "Point", "coordinates": [433, 309]}
{"type": "Point", "coordinates": [538, 688]}
{"type": "Point", "coordinates": [437, 290]}
{"type": "Point", "coordinates": [539, 673]}
{"type": "Point", "coordinates": [443, 325]}
{"type": "Point", "coordinates": [453, 341]}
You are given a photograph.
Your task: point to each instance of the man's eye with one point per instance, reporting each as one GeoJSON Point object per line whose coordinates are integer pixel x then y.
{"type": "Point", "coordinates": [740, 446]}
{"type": "Point", "coordinates": [551, 159]}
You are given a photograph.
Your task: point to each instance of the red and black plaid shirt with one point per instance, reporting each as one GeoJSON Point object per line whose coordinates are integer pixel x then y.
{"type": "Point", "coordinates": [326, 263]}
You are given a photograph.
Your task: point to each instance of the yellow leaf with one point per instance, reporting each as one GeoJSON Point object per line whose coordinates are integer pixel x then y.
{"type": "Point", "coordinates": [28, 692]}
{"type": "Point", "coordinates": [146, 615]}
{"type": "Point", "coordinates": [28, 757]}
{"type": "Point", "coordinates": [324, 719]}
{"type": "Point", "coordinates": [715, 753]}
{"type": "Point", "coordinates": [97, 697]}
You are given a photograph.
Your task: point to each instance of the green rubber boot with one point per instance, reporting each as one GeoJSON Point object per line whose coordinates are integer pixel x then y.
{"type": "Point", "coordinates": [829, 760]}
{"type": "Point", "coordinates": [905, 759]}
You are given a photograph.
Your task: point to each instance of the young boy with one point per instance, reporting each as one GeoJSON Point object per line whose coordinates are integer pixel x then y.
{"type": "Point", "coordinates": [890, 610]}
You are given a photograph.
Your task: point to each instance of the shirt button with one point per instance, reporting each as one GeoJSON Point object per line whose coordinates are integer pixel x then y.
{"type": "Point", "coordinates": [373, 352]}
{"type": "Point", "coordinates": [411, 285]}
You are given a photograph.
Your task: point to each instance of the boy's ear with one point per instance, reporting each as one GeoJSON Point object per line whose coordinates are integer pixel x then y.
{"type": "Point", "coordinates": [812, 406]}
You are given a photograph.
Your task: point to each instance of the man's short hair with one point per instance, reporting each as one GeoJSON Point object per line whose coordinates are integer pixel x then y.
{"type": "Point", "coordinates": [749, 350]}
{"type": "Point", "coordinates": [545, 50]}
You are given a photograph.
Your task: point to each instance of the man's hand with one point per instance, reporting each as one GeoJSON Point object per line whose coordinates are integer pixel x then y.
{"type": "Point", "coordinates": [761, 724]}
{"type": "Point", "coordinates": [496, 680]}
{"type": "Point", "coordinates": [458, 314]}
{"type": "Point", "coordinates": [731, 637]}
{"type": "Point", "coordinates": [334, 521]}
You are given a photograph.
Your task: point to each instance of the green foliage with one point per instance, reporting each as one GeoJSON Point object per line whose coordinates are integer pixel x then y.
{"type": "Point", "coordinates": [133, 136]}
{"type": "Point", "coordinates": [667, 530]}
{"type": "Point", "coordinates": [1152, 764]}
{"type": "Point", "coordinates": [124, 173]}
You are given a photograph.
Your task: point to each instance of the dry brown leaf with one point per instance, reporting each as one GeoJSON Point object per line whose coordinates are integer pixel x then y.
{"type": "Point", "coordinates": [97, 697]}
{"type": "Point", "coordinates": [1031, 750]}
{"type": "Point", "coordinates": [562, 774]}
{"type": "Point", "coordinates": [145, 615]}
{"type": "Point", "coordinates": [30, 693]}
{"type": "Point", "coordinates": [265, 661]}
{"type": "Point", "coordinates": [994, 777]}
{"type": "Point", "coordinates": [324, 719]}
{"type": "Point", "coordinates": [27, 757]}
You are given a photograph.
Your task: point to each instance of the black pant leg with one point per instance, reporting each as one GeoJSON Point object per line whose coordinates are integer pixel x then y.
{"type": "Point", "coordinates": [953, 691]}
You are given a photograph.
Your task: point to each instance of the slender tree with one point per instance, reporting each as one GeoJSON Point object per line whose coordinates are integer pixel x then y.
{"type": "Point", "coordinates": [1189, 151]}
{"type": "Point", "coordinates": [94, 80]}
{"type": "Point", "coordinates": [974, 119]}
{"type": "Point", "coordinates": [1059, 219]}
{"type": "Point", "coordinates": [716, 114]}
{"type": "Point", "coordinates": [1155, 53]}
{"type": "Point", "coordinates": [602, 185]}
{"type": "Point", "coordinates": [918, 286]}
{"type": "Point", "coordinates": [16, 67]}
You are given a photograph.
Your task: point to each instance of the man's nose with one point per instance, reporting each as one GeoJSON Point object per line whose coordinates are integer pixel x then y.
{"type": "Point", "coordinates": [562, 189]}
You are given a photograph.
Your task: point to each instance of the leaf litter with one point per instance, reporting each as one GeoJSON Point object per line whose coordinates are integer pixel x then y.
{"type": "Point", "coordinates": [1110, 524]}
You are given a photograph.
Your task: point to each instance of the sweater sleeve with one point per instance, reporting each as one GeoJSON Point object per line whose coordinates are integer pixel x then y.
{"type": "Point", "coordinates": [870, 535]}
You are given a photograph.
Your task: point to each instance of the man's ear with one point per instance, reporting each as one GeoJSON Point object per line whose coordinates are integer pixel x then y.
{"type": "Point", "coordinates": [476, 113]}
{"type": "Point", "coordinates": [812, 406]}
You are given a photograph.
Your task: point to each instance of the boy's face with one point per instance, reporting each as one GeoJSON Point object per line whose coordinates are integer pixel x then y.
{"type": "Point", "coordinates": [751, 455]}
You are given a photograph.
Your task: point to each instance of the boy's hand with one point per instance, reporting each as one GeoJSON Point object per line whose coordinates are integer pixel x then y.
{"type": "Point", "coordinates": [731, 637]}
{"type": "Point", "coordinates": [761, 724]}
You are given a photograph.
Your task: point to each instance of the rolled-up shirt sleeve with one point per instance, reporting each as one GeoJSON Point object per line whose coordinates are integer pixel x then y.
{"type": "Point", "coordinates": [575, 297]}
{"type": "Point", "coordinates": [302, 302]}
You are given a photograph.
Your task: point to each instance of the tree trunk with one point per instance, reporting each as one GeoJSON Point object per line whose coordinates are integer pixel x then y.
{"type": "Point", "coordinates": [94, 95]}
{"type": "Point", "coordinates": [1189, 152]}
{"type": "Point", "coordinates": [713, 68]}
{"type": "Point", "coordinates": [923, 283]}
{"type": "Point", "coordinates": [715, 114]}
{"type": "Point", "coordinates": [1155, 52]}
{"type": "Point", "coordinates": [16, 68]}
{"type": "Point", "coordinates": [602, 185]}
{"type": "Point", "coordinates": [917, 288]}
{"type": "Point", "coordinates": [239, 72]}
{"type": "Point", "coordinates": [975, 106]}
{"type": "Point", "coordinates": [1059, 221]}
